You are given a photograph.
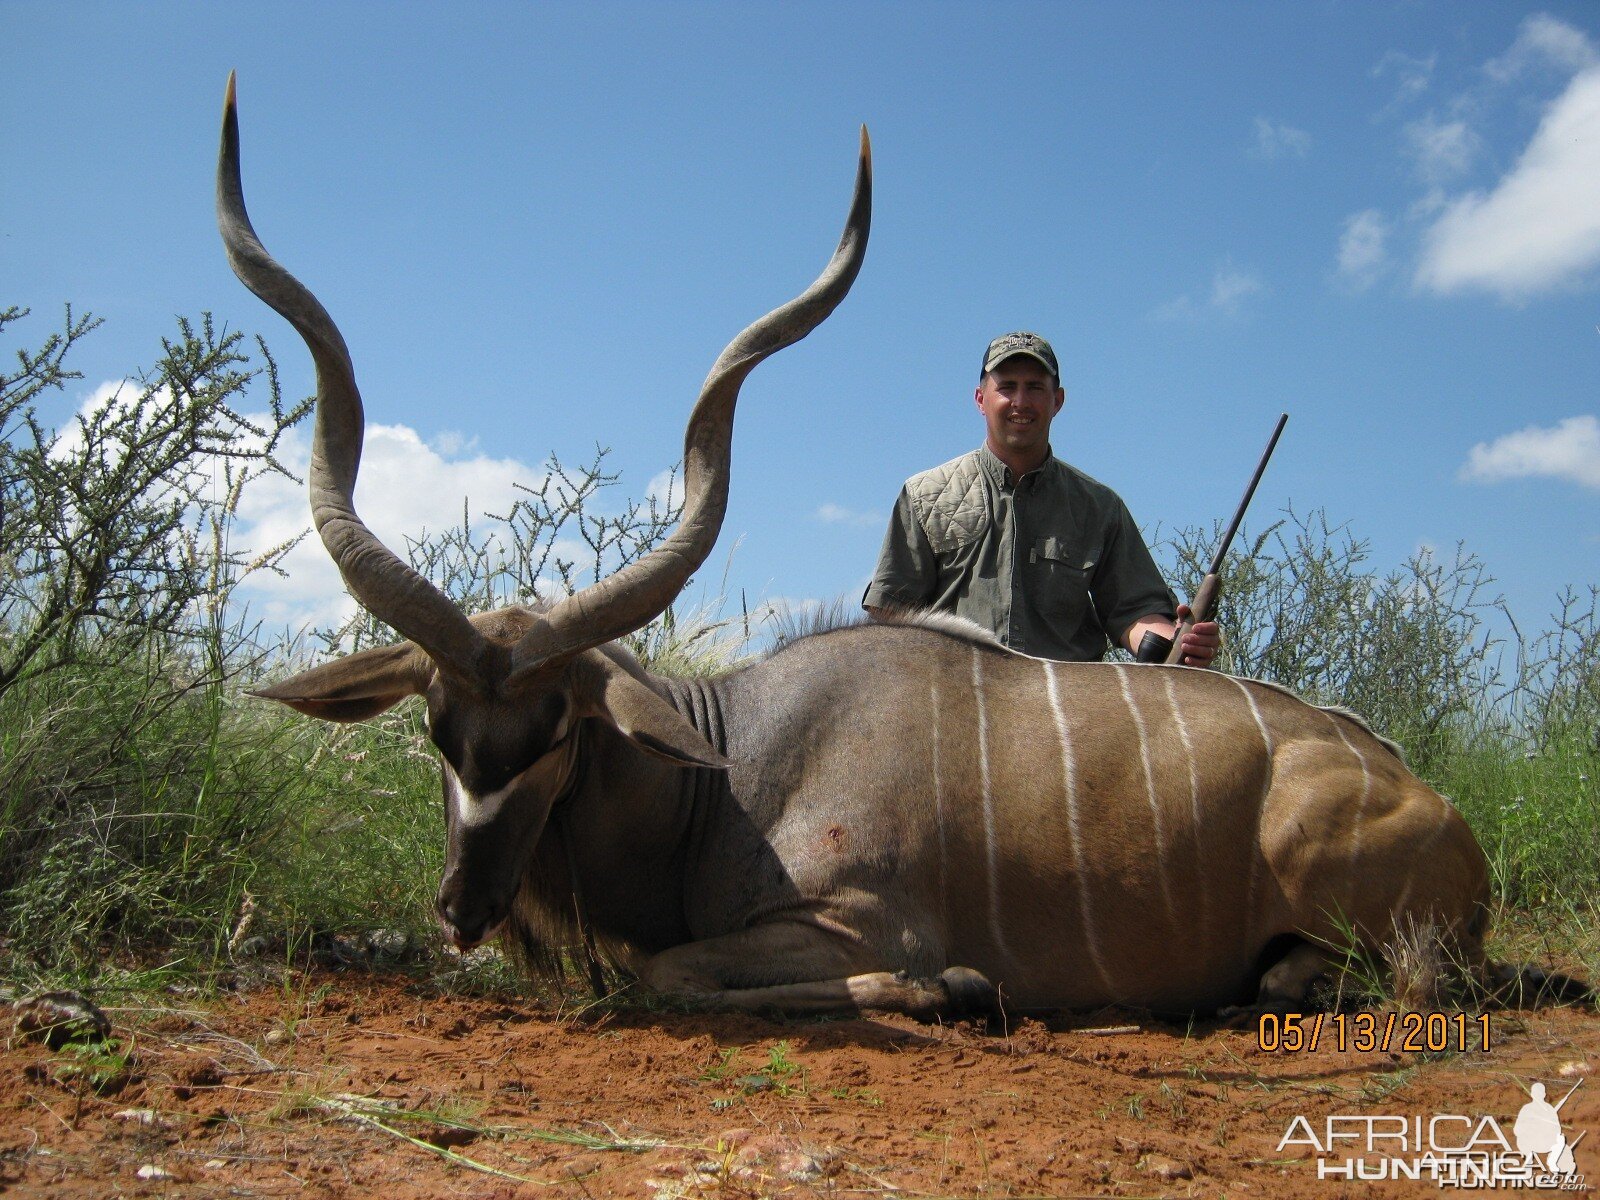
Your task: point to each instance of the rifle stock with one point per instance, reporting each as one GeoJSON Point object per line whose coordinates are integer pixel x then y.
{"type": "Point", "coordinates": [1202, 608]}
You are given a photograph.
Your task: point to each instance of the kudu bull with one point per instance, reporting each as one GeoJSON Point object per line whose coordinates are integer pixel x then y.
{"type": "Point", "coordinates": [894, 816]}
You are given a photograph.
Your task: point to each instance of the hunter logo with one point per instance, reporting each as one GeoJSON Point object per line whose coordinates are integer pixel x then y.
{"type": "Point", "coordinates": [1448, 1149]}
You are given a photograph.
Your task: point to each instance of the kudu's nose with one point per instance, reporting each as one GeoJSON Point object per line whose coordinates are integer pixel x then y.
{"type": "Point", "coordinates": [467, 921]}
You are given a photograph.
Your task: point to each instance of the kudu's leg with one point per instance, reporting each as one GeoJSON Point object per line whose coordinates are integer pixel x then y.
{"type": "Point", "coordinates": [713, 974]}
{"type": "Point", "coordinates": [1287, 983]}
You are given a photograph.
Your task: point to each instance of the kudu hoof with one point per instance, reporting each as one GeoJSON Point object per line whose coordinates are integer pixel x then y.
{"type": "Point", "coordinates": [971, 994]}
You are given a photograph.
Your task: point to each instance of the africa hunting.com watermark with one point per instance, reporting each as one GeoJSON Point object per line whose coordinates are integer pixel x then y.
{"type": "Point", "coordinates": [1447, 1149]}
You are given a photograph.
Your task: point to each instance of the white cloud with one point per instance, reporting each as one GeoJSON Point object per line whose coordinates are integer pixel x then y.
{"type": "Point", "coordinates": [1570, 450]}
{"type": "Point", "coordinates": [405, 488]}
{"type": "Point", "coordinates": [1539, 227]}
{"type": "Point", "coordinates": [1444, 150]}
{"type": "Point", "coordinates": [1543, 40]}
{"type": "Point", "coordinates": [450, 443]}
{"type": "Point", "coordinates": [1275, 139]}
{"type": "Point", "coordinates": [114, 395]}
{"type": "Point", "coordinates": [1363, 251]}
{"type": "Point", "coordinates": [1412, 75]}
{"type": "Point", "coordinates": [1428, 205]}
{"type": "Point", "coordinates": [665, 488]}
{"type": "Point", "coordinates": [838, 514]}
{"type": "Point", "coordinates": [1230, 288]}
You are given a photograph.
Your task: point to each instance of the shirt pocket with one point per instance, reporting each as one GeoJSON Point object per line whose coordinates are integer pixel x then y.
{"type": "Point", "coordinates": [1059, 575]}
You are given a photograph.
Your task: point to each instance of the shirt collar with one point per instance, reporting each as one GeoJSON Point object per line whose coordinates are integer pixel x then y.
{"type": "Point", "coordinates": [1001, 475]}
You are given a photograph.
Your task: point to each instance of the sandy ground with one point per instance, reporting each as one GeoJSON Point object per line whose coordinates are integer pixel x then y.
{"type": "Point", "coordinates": [360, 1084]}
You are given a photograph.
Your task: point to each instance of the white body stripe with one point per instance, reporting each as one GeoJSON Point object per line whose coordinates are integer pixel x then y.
{"type": "Point", "coordinates": [1361, 808]}
{"type": "Point", "coordinates": [1201, 874]}
{"type": "Point", "coordinates": [1149, 792]}
{"type": "Point", "coordinates": [1188, 748]}
{"type": "Point", "coordinates": [991, 843]}
{"type": "Point", "coordinates": [1255, 712]}
{"type": "Point", "coordinates": [1257, 851]}
{"type": "Point", "coordinates": [1069, 782]}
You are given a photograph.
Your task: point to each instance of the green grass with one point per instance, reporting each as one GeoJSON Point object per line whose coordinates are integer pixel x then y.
{"type": "Point", "coordinates": [134, 811]}
{"type": "Point", "coordinates": [137, 814]}
{"type": "Point", "coordinates": [1537, 816]}
{"type": "Point", "coordinates": [364, 848]}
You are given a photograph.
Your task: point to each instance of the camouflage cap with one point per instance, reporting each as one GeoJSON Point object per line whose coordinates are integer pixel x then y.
{"type": "Point", "coordinates": [1010, 344]}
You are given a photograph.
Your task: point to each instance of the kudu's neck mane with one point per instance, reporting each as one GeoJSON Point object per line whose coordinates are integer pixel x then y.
{"type": "Point", "coordinates": [700, 702]}
{"type": "Point", "coordinates": [546, 931]}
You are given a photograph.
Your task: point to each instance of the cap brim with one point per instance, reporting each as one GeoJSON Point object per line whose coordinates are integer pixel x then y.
{"type": "Point", "coordinates": [1038, 358]}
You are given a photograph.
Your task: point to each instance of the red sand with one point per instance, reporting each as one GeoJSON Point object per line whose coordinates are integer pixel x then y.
{"type": "Point", "coordinates": [304, 1088]}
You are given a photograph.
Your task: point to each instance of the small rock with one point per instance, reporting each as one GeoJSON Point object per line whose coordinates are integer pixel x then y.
{"type": "Point", "coordinates": [276, 1037]}
{"type": "Point", "coordinates": [1569, 1069]}
{"type": "Point", "coordinates": [448, 1137]}
{"type": "Point", "coordinates": [799, 1166]}
{"type": "Point", "coordinates": [781, 1155]}
{"type": "Point", "coordinates": [57, 1018]}
{"type": "Point", "coordinates": [151, 1171]}
{"type": "Point", "coordinates": [203, 1075]}
{"type": "Point", "coordinates": [143, 1116]}
{"type": "Point", "coordinates": [214, 1164]}
{"type": "Point", "coordinates": [388, 943]}
{"type": "Point", "coordinates": [341, 948]}
{"type": "Point", "coordinates": [1166, 1168]}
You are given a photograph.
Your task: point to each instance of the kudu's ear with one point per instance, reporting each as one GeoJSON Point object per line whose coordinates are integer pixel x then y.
{"type": "Point", "coordinates": [603, 689]}
{"type": "Point", "coordinates": [356, 686]}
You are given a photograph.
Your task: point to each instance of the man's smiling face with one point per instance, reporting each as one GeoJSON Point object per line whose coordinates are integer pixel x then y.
{"type": "Point", "coordinates": [1018, 399]}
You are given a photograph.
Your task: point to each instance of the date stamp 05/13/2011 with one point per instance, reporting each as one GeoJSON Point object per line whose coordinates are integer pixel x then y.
{"type": "Point", "coordinates": [1365, 1032]}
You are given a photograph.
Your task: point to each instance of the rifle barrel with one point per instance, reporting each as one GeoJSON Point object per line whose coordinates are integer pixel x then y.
{"type": "Point", "coordinates": [1249, 492]}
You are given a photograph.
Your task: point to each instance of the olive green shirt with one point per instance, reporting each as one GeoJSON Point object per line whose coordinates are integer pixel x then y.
{"type": "Point", "coordinates": [1052, 562]}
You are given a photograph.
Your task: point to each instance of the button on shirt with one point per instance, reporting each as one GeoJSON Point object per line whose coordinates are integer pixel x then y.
{"type": "Point", "coordinates": [1051, 562]}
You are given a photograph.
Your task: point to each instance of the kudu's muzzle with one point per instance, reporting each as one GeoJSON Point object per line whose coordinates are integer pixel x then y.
{"type": "Point", "coordinates": [468, 917]}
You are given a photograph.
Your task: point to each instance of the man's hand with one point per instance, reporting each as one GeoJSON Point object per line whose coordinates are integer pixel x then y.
{"type": "Point", "coordinates": [1200, 644]}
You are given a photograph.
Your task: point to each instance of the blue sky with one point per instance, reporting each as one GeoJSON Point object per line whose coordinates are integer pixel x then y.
{"type": "Point", "coordinates": [537, 225]}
